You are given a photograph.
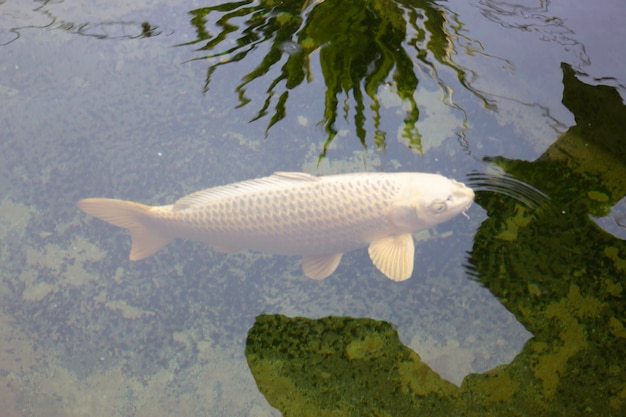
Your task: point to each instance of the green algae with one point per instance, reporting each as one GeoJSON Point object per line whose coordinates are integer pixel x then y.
{"type": "Point", "coordinates": [363, 369]}
{"type": "Point", "coordinates": [368, 347]}
{"type": "Point", "coordinates": [299, 378]}
{"type": "Point", "coordinates": [613, 253]}
{"type": "Point", "coordinates": [510, 229]}
{"type": "Point", "coordinates": [553, 362]}
{"type": "Point", "coordinates": [617, 328]}
{"type": "Point", "coordinates": [418, 379]}
{"type": "Point", "coordinates": [598, 196]}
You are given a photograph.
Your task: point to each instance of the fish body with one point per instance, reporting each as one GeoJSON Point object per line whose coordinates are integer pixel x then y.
{"type": "Point", "coordinates": [292, 213]}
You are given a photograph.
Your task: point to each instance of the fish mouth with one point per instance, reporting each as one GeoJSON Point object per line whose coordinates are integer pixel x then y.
{"type": "Point", "coordinates": [465, 193]}
{"type": "Point", "coordinates": [465, 210]}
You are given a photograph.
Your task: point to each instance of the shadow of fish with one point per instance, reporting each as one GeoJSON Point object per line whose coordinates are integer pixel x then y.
{"type": "Point", "coordinates": [292, 213]}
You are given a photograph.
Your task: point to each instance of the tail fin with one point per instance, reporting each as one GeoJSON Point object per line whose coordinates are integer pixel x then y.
{"type": "Point", "coordinates": [132, 216]}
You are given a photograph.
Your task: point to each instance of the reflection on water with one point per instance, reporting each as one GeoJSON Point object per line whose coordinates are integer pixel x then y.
{"type": "Point", "coordinates": [534, 17]}
{"type": "Point", "coordinates": [370, 54]}
{"type": "Point", "coordinates": [122, 114]}
{"type": "Point", "coordinates": [497, 181]}
{"type": "Point", "coordinates": [57, 18]}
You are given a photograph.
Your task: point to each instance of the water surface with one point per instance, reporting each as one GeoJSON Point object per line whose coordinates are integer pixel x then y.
{"type": "Point", "coordinates": [154, 100]}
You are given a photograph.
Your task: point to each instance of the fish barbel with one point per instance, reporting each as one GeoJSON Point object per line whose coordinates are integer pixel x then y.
{"type": "Point", "coordinates": [293, 213]}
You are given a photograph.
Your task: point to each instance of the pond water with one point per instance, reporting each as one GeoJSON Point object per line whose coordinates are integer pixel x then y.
{"type": "Point", "coordinates": [517, 311]}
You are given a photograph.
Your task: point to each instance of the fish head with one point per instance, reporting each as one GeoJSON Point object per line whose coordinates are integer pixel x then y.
{"type": "Point", "coordinates": [425, 200]}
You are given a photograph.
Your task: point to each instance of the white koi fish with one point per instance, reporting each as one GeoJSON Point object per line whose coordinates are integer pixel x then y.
{"type": "Point", "coordinates": [292, 213]}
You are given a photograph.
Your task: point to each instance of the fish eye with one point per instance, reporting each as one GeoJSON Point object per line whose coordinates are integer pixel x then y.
{"type": "Point", "coordinates": [439, 206]}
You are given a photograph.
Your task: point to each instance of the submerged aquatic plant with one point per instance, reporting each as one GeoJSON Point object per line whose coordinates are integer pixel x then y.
{"type": "Point", "coordinates": [364, 46]}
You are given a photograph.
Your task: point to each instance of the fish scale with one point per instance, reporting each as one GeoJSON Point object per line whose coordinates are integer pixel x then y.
{"type": "Point", "coordinates": [317, 212]}
{"type": "Point", "coordinates": [291, 213]}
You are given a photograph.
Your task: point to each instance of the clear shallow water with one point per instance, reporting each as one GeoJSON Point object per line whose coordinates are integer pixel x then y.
{"type": "Point", "coordinates": [93, 106]}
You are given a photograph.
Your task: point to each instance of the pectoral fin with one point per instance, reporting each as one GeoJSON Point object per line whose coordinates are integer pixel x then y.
{"type": "Point", "coordinates": [394, 256]}
{"type": "Point", "coordinates": [320, 267]}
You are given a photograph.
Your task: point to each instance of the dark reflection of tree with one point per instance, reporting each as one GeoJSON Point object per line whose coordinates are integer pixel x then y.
{"type": "Point", "coordinates": [362, 48]}
{"type": "Point", "coordinates": [561, 276]}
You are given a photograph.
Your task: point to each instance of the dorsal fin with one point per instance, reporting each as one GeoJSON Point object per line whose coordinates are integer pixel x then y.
{"type": "Point", "coordinates": [298, 176]}
{"type": "Point", "coordinates": [240, 188]}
